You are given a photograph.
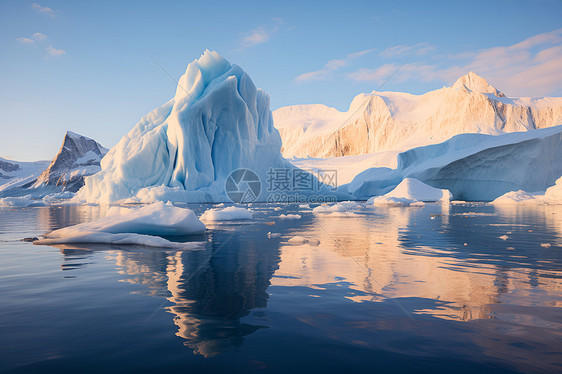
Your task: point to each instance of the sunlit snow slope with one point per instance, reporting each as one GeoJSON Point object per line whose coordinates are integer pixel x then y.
{"type": "Point", "coordinates": [395, 121]}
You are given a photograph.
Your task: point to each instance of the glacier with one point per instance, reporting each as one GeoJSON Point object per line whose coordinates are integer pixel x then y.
{"type": "Point", "coordinates": [474, 167]}
{"type": "Point", "coordinates": [397, 121]}
{"type": "Point", "coordinates": [216, 123]}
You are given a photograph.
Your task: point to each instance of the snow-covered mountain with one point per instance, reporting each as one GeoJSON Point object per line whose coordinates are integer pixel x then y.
{"type": "Point", "coordinates": [14, 174]}
{"type": "Point", "coordinates": [395, 121]}
{"type": "Point", "coordinates": [78, 157]}
{"type": "Point", "coordinates": [217, 122]}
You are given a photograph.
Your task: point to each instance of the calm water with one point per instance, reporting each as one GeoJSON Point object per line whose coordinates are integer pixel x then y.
{"type": "Point", "coordinates": [430, 289]}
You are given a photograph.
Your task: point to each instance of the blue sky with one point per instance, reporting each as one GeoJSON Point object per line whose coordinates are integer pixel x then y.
{"type": "Point", "coordinates": [86, 66]}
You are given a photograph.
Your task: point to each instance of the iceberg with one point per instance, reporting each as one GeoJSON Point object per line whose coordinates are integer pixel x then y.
{"type": "Point", "coordinates": [552, 196]}
{"type": "Point", "coordinates": [141, 226]}
{"type": "Point", "coordinates": [474, 167]}
{"type": "Point", "coordinates": [411, 191]}
{"type": "Point", "coordinates": [26, 201]}
{"type": "Point", "coordinates": [230, 213]}
{"type": "Point", "coordinates": [341, 207]}
{"type": "Point", "coordinates": [218, 122]}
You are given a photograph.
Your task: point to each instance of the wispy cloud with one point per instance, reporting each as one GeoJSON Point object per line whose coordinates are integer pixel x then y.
{"type": "Point", "coordinates": [531, 67]}
{"type": "Point", "coordinates": [35, 37]}
{"type": "Point", "coordinates": [261, 34]}
{"type": "Point", "coordinates": [44, 10]}
{"type": "Point", "coordinates": [407, 50]}
{"type": "Point", "coordinates": [55, 52]}
{"type": "Point", "coordinates": [330, 67]}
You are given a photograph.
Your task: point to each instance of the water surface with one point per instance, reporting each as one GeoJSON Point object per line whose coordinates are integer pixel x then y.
{"type": "Point", "coordinates": [460, 288]}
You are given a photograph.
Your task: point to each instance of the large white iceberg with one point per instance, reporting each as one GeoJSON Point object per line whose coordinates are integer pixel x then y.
{"type": "Point", "coordinates": [217, 122]}
{"type": "Point", "coordinates": [141, 226]}
{"type": "Point", "coordinates": [474, 166]}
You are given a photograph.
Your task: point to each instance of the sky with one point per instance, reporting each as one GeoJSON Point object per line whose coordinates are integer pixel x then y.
{"type": "Point", "coordinates": [96, 67]}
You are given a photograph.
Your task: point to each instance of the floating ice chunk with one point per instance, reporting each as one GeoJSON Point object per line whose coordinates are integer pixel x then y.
{"type": "Point", "coordinates": [139, 226]}
{"type": "Point", "coordinates": [21, 202]}
{"type": "Point", "coordinates": [58, 197]}
{"type": "Point", "coordinates": [514, 197]}
{"type": "Point", "coordinates": [230, 213]}
{"type": "Point", "coordinates": [411, 191]}
{"type": "Point", "coordinates": [121, 239]}
{"type": "Point", "coordinates": [344, 206]}
{"type": "Point", "coordinates": [390, 201]}
{"type": "Point", "coordinates": [552, 195]}
{"type": "Point", "coordinates": [504, 237]}
{"type": "Point", "coordinates": [289, 216]}
{"type": "Point", "coordinates": [273, 235]}
{"type": "Point", "coordinates": [301, 240]}
{"type": "Point", "coordinates": [342, 215]}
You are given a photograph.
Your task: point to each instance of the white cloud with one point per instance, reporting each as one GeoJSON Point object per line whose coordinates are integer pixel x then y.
{"type": "Point", "coordinates": [44, 10]}
{"type": "Point", "coordinates": [26, 40]}
{"type": "Point", "coordinates": [39, 36]}
{"type": "Point", "coordinates": [261, 34]}
{"type": "Point", "coordinates": [531, 67]}
{"type": "Point", "coordinates": [330, 67]}
{"type": "Point", "coordinates": [35, 37]}
{"type": "Point", "coordinates": [55, 52]}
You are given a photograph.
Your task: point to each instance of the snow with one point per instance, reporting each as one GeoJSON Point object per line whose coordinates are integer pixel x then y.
{"type": "Point", "coordinates": [474, 167]}
{"type": "Point", "coordinates": [141, 226]}
{"type": "Point", "coordinates": [289, 216]}
{"type": "Point", "coordinates": [230, 213]}
{"type": "Point", "coordinates": [15, 174]}
{"type": "Point", "coordinates": [396, 121]}
{"type": "Point", "coordinates": [347, 167]}
{"type": "Point", "coordinates": [216, 123]}
{"type": "Point", "coordinates": [552, 196]}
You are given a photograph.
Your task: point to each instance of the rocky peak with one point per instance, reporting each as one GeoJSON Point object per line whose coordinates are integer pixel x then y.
{"type": "Point", "coordinates": [474, 82]}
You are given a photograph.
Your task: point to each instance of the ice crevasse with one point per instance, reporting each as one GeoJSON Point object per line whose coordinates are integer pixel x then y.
{"type": "Point", "coordinates": [217, 122]}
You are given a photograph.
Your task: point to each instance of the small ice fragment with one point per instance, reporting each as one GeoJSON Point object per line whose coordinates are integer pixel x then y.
{"type": "Point", "coordinates": [289, 216]}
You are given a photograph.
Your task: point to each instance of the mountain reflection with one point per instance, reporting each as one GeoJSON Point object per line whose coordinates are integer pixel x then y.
{"type": "Point", "coordinates": [451, 254]}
